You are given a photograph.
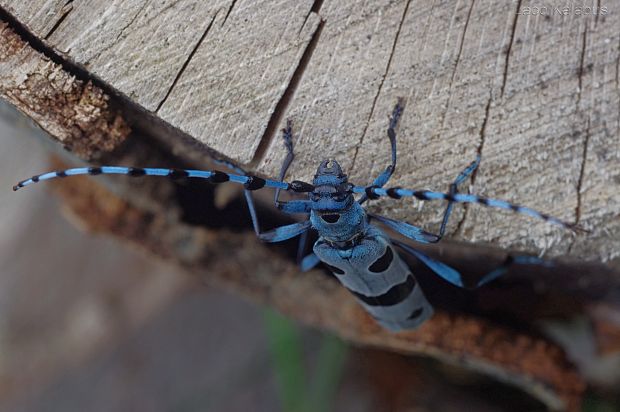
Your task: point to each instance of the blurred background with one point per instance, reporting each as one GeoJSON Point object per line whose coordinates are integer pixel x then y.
{"type": "Point", "coordinates": [88, 323]}
{"type": "Point", "coordinates": [110, 329]}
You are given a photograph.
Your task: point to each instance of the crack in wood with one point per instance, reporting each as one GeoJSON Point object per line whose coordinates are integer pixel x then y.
{"type": "Point", "coordinates": [618, 87]}
{"type": "Point", "coordinates": [482, 134]}
{"type": "Point", "coordinates": [316, 7]}
{"type": "Point", "coordinates": [458, 56]}
{"type": "Point", "coordinates": [39, 46]}
{"type": "Point", "coordinates": [132, 21]}
{"type": "Point", "coordinates": [582, 59]}
{"type": "Point", "coordinates": [618, 70]}
{"type": "Point", "coordinates": [186, 63]}
{"type": "Point", "coordinates": [232, 5]}
{"type": "Point", "coordinates": [387, 70]}
{"type": "Point", "coordinates": [121, 32]}
{"type": "Point", "coordinates": [512, 37]}
{"type": "Point", "coordinates": [584, 158]}
{"type": "Point", "coordinates": [586, 139]}
{"type": "Point", "coordinates": [61, 19]}
{"type": "Point", "coordinates": [285, 99]}
{"type": "Point", "coordinates": [456, 65]}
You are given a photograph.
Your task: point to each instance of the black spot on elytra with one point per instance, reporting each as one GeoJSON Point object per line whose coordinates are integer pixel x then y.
{"type": "Point", "coordinates": [334, 269]}
{"type": "Point", "coordinates": [416, 313]}
{"type": "Point", "coordinates": [393, 296]}
{"type": "Point", "coordinates": [380, 265]}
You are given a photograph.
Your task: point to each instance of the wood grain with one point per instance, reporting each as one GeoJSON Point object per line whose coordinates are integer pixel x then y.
{"type": "Point", "coordinates": [536, 96]}
{"type": "Point", "coordinates": [230, 89]}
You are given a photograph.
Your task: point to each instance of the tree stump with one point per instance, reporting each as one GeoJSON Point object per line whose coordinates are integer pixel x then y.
{"type": "Point", "coordinates": [535, 93]}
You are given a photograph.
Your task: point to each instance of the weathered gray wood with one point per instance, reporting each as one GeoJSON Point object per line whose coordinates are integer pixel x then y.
{"type": "Point", "coordinates": [536, 96]}
{"type": "Point", "coordinates": [336, 94]}
{"type": "Point", "coordinates": [139, 46]}
{"type": "Point", "coordinates": [200, 65]}
{"type": "Point", "coordinates": [474, 86]}
{"type": "Point", "coordinates": [231, 87]}
{"type": "Point", "coordinates": [41, 16]}
{"type": "Point", "coordinates": [599, 101]}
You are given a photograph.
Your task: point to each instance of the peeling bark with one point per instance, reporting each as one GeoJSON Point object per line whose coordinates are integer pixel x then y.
{"type": "Point", "coordinates": [75, 112]}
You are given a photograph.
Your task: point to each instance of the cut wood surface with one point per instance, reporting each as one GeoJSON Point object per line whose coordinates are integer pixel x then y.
{"type": "Point", "coordinates": [537, 96]}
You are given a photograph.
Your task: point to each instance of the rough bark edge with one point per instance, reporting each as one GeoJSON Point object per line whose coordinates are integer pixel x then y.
{"type": "Point", "coordinates": [239, 262]}
{"type": "Point", "coordinates": [75, 112]}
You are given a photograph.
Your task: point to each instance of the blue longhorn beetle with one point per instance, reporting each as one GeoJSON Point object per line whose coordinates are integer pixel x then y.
{"type": "Point", "coordinates": [359, 254]}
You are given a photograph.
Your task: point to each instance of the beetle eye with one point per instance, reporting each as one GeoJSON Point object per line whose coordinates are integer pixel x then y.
{"type": "Point", "coordinates": [339, 197]}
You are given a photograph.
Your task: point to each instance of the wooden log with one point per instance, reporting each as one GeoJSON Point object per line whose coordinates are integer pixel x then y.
{"type": "Point", "coordinates": [535, 95]}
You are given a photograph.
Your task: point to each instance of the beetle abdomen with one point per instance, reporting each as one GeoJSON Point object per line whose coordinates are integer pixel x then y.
{"type": "Point", "coordinates": [382, 282]}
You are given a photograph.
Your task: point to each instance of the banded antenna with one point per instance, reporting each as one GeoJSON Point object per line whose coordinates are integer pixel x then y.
{"type": "Point", "coordinates": [375, 192]}
{"type": "Point", "coordinates": [251, 182]}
